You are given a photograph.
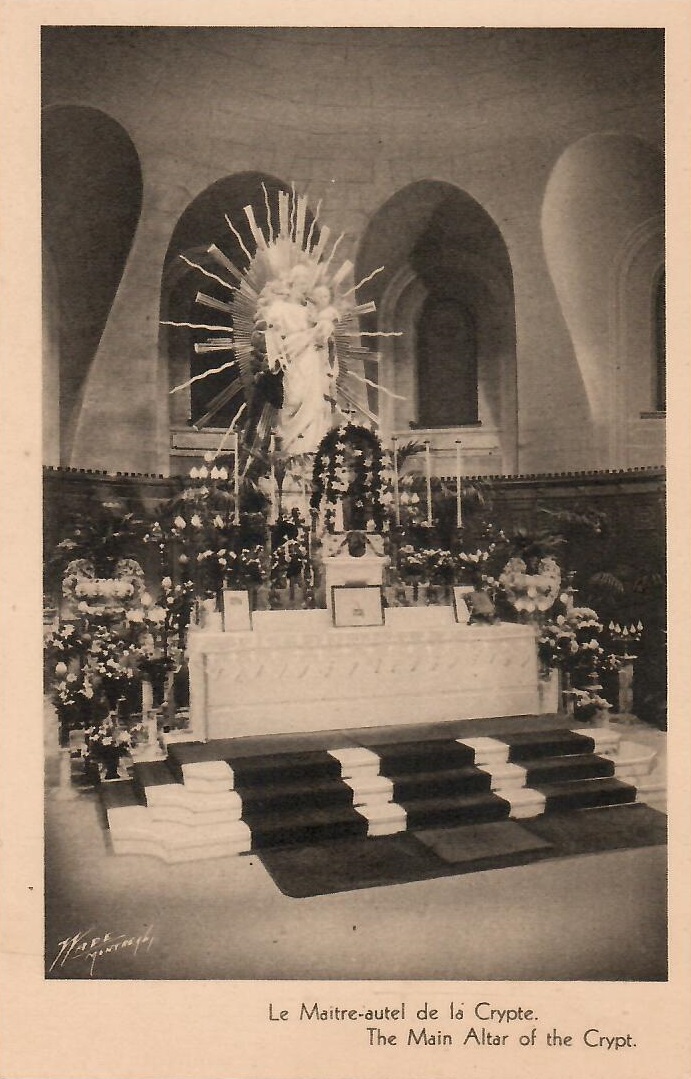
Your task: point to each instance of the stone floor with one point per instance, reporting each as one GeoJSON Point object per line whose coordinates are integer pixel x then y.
{"type": "Point", "coordinates": [593, 917]}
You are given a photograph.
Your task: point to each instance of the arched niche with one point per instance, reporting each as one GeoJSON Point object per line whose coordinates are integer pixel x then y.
{"type": "Point", "coordinates": [203, 224]}
{"type": "Point", "coordinates": [50, 349]}
{"type": "Point", "coordinates": [603, 236]}
{"type": "Point", "coordinates": [91, 204]}
{"type": "Point", "coordinates": [443, 258]}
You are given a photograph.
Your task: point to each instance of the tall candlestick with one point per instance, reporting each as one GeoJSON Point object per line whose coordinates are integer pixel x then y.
{"type": "Point", "coordinates": [428, 471]}
{"type": "Point", "coordinates": [303, 466]}
{"type": "Point", "coordinates": [274, 500]}
{"type": "Point", "coordinates": [236, 476]}
{"type": "Point", "coordinates": [396, 497]}
{"type": "Point", "coordinates": [459, 519]}
{"type": "Point", "coordinates": [147, 697]}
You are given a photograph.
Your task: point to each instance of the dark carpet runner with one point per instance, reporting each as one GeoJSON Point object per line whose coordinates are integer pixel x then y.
{"type": "Point", "coordinates": [425, 855]}
{"type": "Point", "coordinates": [312, 839]}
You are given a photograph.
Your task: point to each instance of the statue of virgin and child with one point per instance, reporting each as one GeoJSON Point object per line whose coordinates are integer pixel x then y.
{"type": "Point", "coordinates": [297, 319]}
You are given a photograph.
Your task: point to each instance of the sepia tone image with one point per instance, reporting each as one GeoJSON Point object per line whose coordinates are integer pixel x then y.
{"type": "Point", "coordinates": [354, 421]}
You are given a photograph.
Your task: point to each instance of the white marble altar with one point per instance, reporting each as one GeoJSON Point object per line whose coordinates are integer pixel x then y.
{"type": "Point", "coordinates": [295, 672]}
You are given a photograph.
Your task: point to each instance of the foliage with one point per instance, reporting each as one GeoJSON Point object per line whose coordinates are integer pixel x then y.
{"type": "Point", "coordinates": [101, 537]}
{"type": "Point", "coordinates": [349, 465]}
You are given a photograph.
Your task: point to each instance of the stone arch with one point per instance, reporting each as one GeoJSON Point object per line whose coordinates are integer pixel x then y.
{"type": "Point", "coordinates": [91, 205]}
{"type": "Point", "coordinates": [437, 244]}
{"type": "Point", "coordinates": [659, 349]}
{"type": "Point", "coordinates": [603, 236]}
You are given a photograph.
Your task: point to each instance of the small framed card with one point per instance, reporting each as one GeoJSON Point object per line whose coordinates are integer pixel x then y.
{"type": "Point", "coordinates": [357, 606]}
{"type": "Point", "coordinates": [461, 603]}
{"type": "Point", "coordinates": [236, 611]}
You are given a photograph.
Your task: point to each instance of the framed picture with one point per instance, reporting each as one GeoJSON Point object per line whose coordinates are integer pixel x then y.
{"type": "Point", "coordinates": [357, 606]}
{"type": "Point", "coordinates": [461, 603]}
{"type": "Point", "coordinates": [236, 611]}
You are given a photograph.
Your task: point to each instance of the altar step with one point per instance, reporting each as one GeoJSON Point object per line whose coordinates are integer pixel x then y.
{"type": "Point", "coordinates": [209, 800]}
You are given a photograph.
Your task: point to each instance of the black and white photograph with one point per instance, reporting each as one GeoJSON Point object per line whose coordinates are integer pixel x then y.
{"type": "Point", "coordinates": [352, 413]}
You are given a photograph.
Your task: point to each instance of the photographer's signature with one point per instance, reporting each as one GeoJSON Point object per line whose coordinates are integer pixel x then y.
{"type": "Point", "coordinates": [89, 947]}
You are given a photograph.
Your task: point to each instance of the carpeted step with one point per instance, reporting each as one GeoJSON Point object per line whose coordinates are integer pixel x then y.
{"type": "Point", "coordinates": [566, 768]}
{"type": "Point", "coordinates": [217, 749]}
{"type": "Point", "coordinates": [283, 768]}
{"type": "Point", "coordinates": [447, 782]}
{"type": "Point", "coordinates": [586, 794]}
{"type": "Point", "coordinates": [403, 758]}
{"type": "Point", "coordinates": [278, 797]}
{"type": "Point", "coordinates": [530, 746]}
{"type": "Point", "coordinates": [458, 809]}
{"type": "Point", "coordinates": [304, 827]}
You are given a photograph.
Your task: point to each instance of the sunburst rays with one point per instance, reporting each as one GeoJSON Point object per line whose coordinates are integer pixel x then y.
{"type": "Point", "coordinates": [279, 246]}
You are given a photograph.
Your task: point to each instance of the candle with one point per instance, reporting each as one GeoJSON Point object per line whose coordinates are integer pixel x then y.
{"type": "Point", "coordinates": [396, 499]}
{"type": "Point", "coordinates": [428, 476]}
{"type": "Point", "coordinates": [236, 476]}
{"type": "Point", "coordinates": [338, 517]}
{"type": "Point", "coordinates": [459, 519]}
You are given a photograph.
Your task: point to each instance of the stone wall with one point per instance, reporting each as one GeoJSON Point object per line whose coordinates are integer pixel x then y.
{"type": "Point", "coordinates": [353, 116]}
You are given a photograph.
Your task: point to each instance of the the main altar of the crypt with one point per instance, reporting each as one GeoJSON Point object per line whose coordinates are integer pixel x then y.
{"type": "Point", "coordinates": [295, 671]}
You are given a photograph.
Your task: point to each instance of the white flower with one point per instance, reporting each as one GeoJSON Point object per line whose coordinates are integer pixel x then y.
{"type": "Point", "coordinates": [218, 521]}
{"type": "Point", "coordinates": [179, 522]}
{"type": "Point", "coordinates": [157, 614]}
{"type": "Point", "coordinates": [135, 616]}
{"type": "Point", "coordinates": [203, 472]}
{"type": "Point", "coordinates": [214, 473]}
{"type": "Point", "coordinates": [196, 521]}
{"type": "Point", "coordinates": [166, 584]}
{"type": "Point", "coordinates": [194, 473]}
{"type": "Point", "coordinates": [83, 607]}
{"type": "Point", "coordinates": [208, 457]}
{"type": "Point", "coordinates": [223, 473]}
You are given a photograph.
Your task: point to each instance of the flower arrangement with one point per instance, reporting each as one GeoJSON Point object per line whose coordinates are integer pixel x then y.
{"type": "Point", "coordinates": [531, 593]}
{"type": "Point", "coordinates": [571, 641]}
{"type": "Point", "coordinates": [64, 645]}
{"type": "Point", "coordinates": [412, 564]}
{"type": "Point", "coordinates": [105, 745]}
{"type": "Point", "coordinates": [71, 690]}
{"type": "Point", "coordinates": [441, 566]}
{"type": "Point", "coordinates": [111, 663]}
{"type": "Point", "coordinates": [289, 560]}
{"type": "Point", "coordinates": [245, 568]}
{"type": "Point", "coordinates": [587, 703]}
{"type": "Point", "coordinates": [472, 565]}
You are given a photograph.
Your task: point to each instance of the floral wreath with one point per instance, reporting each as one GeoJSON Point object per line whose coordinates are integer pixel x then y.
{"type": "Point", "coordinates": [80, 584]}
{"type": "Point", "coordinates": [350, 447]}
{"type": "Point", "coordinates": [531, 592]}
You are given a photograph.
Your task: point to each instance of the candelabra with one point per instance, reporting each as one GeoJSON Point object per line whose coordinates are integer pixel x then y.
{"type": "Point", "coordinates": [624, 640]}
